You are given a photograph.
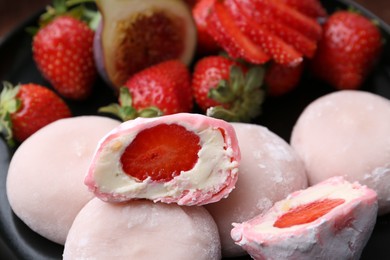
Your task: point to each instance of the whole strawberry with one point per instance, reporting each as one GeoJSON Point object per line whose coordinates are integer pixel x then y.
{"type": "Point", "coordinates": [164, 88]}
{"type": "Point", "coordinates": [63, 53]}
{"type": "Point", "coordinates": [348, 50]}
{"type": "Point", "coordinates": [27, 108]}
{"type": "Point", "coordinates": [281, 79]}
{"type": "Point", "coordinates": [227, 89]}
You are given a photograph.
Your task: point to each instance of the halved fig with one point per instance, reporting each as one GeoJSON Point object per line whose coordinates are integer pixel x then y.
{"type": "Point", "coordinates": [188, 159]}
{"type": "Point", "coordinates": [134, 35]}
{"type": "Point", "coordinates": [331, 220]}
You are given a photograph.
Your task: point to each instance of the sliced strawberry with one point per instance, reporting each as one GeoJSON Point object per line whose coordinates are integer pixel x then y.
{"type": "Point", "coordinates": [292, 37]}
{"type": "Point", "coordinates": [286, 15]}
{"type": "Point", "coordinates": [216, 31]}
{"type": "Point", "coordinates": [229, 36]}
{"type": "Point", "coordinates": [206, 43]}
{"type": "Point", "coordinates": [274, 46]}
{"type": "Point", "coordinates": [307, 213]}
{"type": "Point", "coordinates": [161, 153]}
{"type": "Point", "coordinates": [312, 8]}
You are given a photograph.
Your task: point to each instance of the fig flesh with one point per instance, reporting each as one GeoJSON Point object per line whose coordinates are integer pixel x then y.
{"type": "Point", "coordinates": [135, 34]}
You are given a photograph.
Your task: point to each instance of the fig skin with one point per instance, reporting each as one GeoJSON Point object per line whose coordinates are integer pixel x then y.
{"type": "Point", "coordinates": [122, 48]}
{"type": "Point", "coordinates": [98, 54]}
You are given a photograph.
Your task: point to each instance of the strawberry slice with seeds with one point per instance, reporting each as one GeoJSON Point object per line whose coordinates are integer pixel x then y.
{"type": "Point", "coordinates": [161, 152]}
{"type": "Point", "coordinates": [224, 30]}
{"type": "Point", "coordinates": [279, 50]}
{"type": "Point", "coordinates": [292, 37]}
{"type": "Point", "coordinates": [286, 15]}
{"type": "Point", "coordinates": [312, 8]}
{"type": "Point", "coordinates": [216, 31]}
{"type": "Point", "coordinates": [307, 213]}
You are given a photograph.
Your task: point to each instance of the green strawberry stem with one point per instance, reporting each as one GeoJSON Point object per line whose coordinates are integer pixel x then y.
{"type": "Point", "coordinates": [74, 8]}
{"type": "Point", "coordinates": [241, 96]}
{"type": "Point", "coordinates": [9, 104]}
{"type": "Point", "coordinates": [125, 110]}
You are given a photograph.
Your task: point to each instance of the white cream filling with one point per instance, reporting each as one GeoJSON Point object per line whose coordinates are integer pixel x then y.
{"type": "Point", "coordinates": [346, 191]}
{"type": "Point", "coordinates": [207, 174]}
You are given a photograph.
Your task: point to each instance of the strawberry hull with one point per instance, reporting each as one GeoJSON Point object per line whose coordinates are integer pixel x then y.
{"type": "Point", "coordinates": [340, 233]}
{"type": "Point", "coordinates": [212, 177]}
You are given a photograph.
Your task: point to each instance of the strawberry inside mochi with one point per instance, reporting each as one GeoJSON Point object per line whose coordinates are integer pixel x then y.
{"type": "Point", "coordinates": [188, 159]}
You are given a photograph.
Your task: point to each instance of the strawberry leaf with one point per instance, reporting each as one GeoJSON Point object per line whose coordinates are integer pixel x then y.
{"type": "Point", "coordinates": [9, 104]}
{"type": "Point", "coordinates": [125, 110]}
{"type": "Point", "coordinates": [240, 96]}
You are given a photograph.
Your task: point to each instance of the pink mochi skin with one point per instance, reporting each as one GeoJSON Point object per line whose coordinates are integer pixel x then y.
{"type": "Point", "coordinates": [341, 233]}
{"type": "Point", "coordinates": [188, 195]}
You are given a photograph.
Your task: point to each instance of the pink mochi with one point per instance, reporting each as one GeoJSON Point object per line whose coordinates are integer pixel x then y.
{"type": "Point", "coordinates": [142, 230]}
{"type": "Point", "coordinates": [347, 133]}
{"type": "Point", "coordinates": [341, 233]}
{"type": "Point", "coordinates": [45, 178]}
{"type": "Point", "coordinates": [269, 170]}
{"type": "Point", "coordinates": [212, 177]}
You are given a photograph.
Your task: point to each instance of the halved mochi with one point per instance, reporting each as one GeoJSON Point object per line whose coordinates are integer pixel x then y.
{"type": "Point", "coordinates": [331, 220]}
{"type": "Point", "coordinates": [269, 170]}
{"type": "Point", "coordinates": [189, 159]}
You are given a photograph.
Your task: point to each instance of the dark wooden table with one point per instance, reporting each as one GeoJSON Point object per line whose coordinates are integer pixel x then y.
{"type": "Point", "coordinates": [13, 12]}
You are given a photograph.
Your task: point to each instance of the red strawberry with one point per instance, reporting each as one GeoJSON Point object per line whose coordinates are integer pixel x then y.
{"type": "Point", "coordinates": [273, 45]}
{"type": "Point", "coordinates": [226, 89]}
{"type": "Point", "coordinates": [349, 48]}
{"type": "Point", "coordinates": [164, 88]}
{"type": "Point", "coordinates": [206, 43]}
{"type": "Point", "coordinates": [244, 14]}
{"type": "Point", "coordinates": [280, 79]}
{"type": "Point", "coordinates": [63, 53]}
{"type": "Point", "coordinates": [286, 15]}
{"type": "Point", "coordinates": [224, 30]}
{"type": "Point", "coordinates": [161, 152]}
{"type": "Point", "coordinates": [312, 8]}
{"type": "Point", "coordinates": [27, 108]}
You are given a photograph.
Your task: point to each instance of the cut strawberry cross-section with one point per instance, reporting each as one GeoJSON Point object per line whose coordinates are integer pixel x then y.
{"type": "Point", "coordinates": [311, 8]}
{"type": "Point", "coordinates": [277, 48]}
{"type": "Point", "coordinates": [161, 152]}
{"type": "Point", "coordinates": [287, 15]}
{"type": "Point", "coordinates": [307, 213]}
{"type": "Point", "coordinates": [188, 159]}
{"type": "Point", "coordinates": [225, 31]}
{"type": "Point", "coordinates": [333, 219]}
{"type": "Point", "coordinates": [245, 13]}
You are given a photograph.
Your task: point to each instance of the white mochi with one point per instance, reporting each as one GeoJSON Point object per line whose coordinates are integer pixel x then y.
{"type": "Point", "coordinates": [347, 133]}
{"type": "Point", "coordinates": [269, 171]}
{"type": "Point", "coordinates": [142, 230]}
{"type": "Point", "coordinates": [45, 178]}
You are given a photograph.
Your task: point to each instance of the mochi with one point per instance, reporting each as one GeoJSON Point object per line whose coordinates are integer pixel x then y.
{"type": "Point", "coordinates": [330, 220]}
{"type": "Point", "coordinates": [269, 170]}
{"type": "Point", "coordinates": [140, 230]}
{"type": "Point", "coordinates": [346, 133]}
{"type": "Point", "coordinates": [45, 178]}
{"type": "Point", "coordinates": [188, 159]}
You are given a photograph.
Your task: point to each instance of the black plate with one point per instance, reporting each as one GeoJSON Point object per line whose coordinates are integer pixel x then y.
{"type": "Point", "coordinates": [17, 241]}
